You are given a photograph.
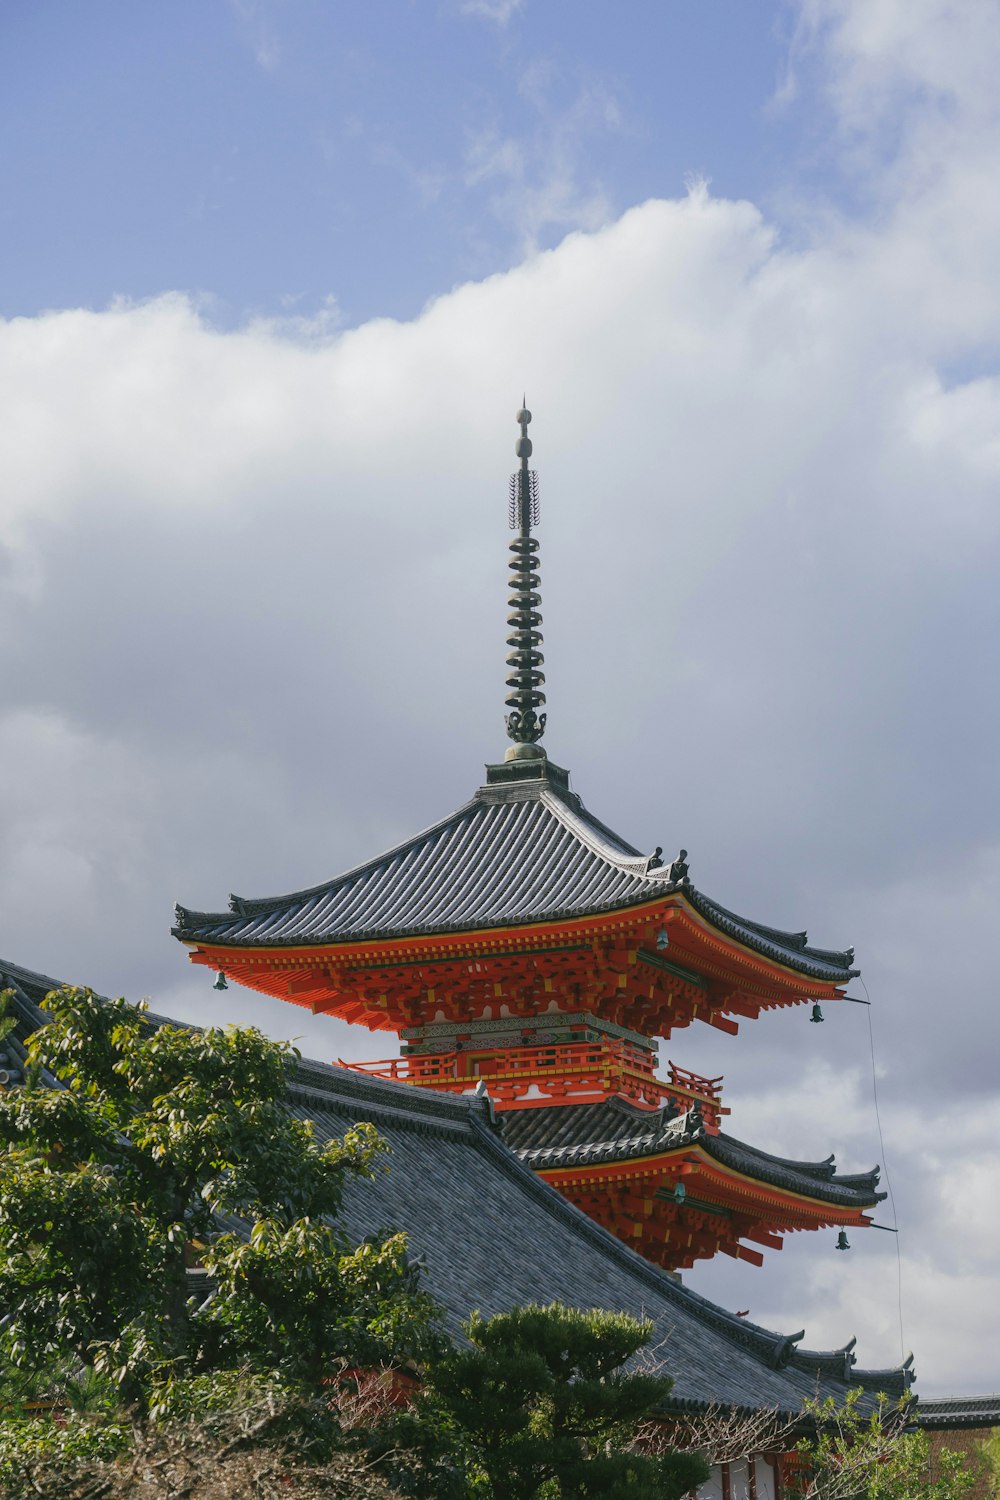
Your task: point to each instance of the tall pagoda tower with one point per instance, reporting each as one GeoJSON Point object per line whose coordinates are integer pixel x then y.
{"type": "Point", "coordinates": [520, 948]}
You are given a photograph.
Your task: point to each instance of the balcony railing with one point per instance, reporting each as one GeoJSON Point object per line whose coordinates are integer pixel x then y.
{"type": "Point", "coordinates": [577, 1072]}
{"type": "Point", "coordinates": [709, 1089]}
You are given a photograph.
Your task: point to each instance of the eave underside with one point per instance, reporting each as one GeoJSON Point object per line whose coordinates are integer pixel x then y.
{"type": "Point", "coordinates": [677, 1193]}
{"type": "Point", "coordinates": [653, 968]}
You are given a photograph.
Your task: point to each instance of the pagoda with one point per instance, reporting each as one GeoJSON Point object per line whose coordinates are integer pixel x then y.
{"type": "Point", "coordinates": [521, 949]}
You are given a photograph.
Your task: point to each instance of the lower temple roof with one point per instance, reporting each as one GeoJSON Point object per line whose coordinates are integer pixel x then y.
{"type": "Point", "coordinates": [493, 1235]}
{"type": "Point", "coordinates": [581, 1134]}
{"type": "Point", "coordinates": [954, 1413]}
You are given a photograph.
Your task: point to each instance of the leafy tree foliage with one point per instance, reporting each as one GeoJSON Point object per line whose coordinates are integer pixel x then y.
{"type": "Point", "coordinates": [158, 1140]}
{"type": "Point", "coordinates": [859, 1456]}
{"type": "Point", "coordinates": [912, 1473]}
{"type": "Point", "coordinates": [136, 1153]}
{"type": "Point", "coordinates": [541, 1405]}
{"type": "Point", "coordinates": [989, 1450]}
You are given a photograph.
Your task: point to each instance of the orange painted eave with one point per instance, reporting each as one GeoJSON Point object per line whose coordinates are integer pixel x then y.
{"type": "Point", "coordinates": [384, 951]}
{"type": "Point", "coordinates": [747, 959]}
{"type": "Point", "coordinates": [354, 954]}
{"type": "Point", "coordinates": [824, 1212]}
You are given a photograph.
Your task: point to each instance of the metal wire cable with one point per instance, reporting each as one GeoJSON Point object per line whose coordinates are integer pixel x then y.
{"type": "Point", "coordinates": [888, 1178]}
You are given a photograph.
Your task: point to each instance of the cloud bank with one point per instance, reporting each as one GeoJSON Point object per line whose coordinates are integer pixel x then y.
{"type": "Point", "coordinates": [254, 594]}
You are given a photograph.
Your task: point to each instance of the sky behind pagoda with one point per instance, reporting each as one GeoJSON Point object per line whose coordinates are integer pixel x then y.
{"type": "Point", "coordinates": [273, 278]}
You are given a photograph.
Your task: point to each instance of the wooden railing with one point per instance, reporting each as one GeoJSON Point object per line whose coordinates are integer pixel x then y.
{"type": "Point", "coordinates": [565, 1073]}
{"type": "Point", "coordinates": [709, 1089]}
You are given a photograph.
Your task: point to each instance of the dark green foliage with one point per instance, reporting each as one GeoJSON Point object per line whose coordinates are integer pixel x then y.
{"type": "Point", "coordinates": [291, 1295]}
{"type": "Point", "coordinates": [541, 1406]}
{"type": "Point", "coordinates": [110, 1184]}
{"type": "Point", "coordinates": [167, 1145]}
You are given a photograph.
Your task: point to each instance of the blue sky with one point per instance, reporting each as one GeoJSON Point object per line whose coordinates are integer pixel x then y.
{"type": "Point", "coordinates": [273, 156]}
{"type": "Point", "coordinates": [273, 277]}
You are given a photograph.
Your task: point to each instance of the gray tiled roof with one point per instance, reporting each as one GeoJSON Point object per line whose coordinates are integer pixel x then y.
{"type": "Point", "coordinates": [519, 851]}
{"type": "Point", "coordinates": [493, 1235]}
{"type": "Point", "coordinates": [957, 1412]}
{"type": "Point", "coordinates": [579, 1134]}
{"type": "Point", "coordinates": [29, 990]}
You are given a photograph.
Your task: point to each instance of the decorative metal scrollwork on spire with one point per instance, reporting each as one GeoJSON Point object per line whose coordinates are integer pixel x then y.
{"type": "Point", "coordinates": [525, 725]}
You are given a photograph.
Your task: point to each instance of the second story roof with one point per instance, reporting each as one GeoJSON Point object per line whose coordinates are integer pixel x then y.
{"type": "Point", "coordinates": [585, 1134]}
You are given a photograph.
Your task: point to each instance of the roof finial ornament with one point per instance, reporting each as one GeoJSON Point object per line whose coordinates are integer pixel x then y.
{"type": "Point", "coordinates": [525, 725]}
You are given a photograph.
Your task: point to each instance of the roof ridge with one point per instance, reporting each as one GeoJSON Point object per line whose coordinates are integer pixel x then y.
{"type": "Point", "coordinates": [762, 929]}
{"type": "Point", "coordinates": [934, 1404]}
{"type": "Point", "coordinates": [314, 1076]}
{"type": "Point", "coordinates": [814, 1168]}
{"type": "Point", "coordinates": [827, 1188]}
{"type": "Point", "coordinates": [29, 976]}
{"type": "Point", "coordinates": [592, 832]}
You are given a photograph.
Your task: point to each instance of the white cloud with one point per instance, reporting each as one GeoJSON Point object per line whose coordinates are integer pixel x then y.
{"type": "Point", "coordinates": [540, 183]}
{"type": "Point", "coordinates": [500, 12]}
{"type": "Point", "coordinates": [924, 56]}
{"type": "Point", "coordinates": [916, 130]}
{"type": "Point", "coordinates": [256, 21]}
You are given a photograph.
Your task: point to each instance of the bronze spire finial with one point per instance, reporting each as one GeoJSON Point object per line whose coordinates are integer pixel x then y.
{"type": "Point", "coordinates": [525, 725]}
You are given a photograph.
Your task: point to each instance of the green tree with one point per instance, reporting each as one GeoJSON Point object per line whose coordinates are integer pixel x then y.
{"type": "Point", "coordinates": [540, 1405]}
{"type": "Point", "coordinates": [870, 1455]}
{"type": "Point", "coordinates": [157, 1143]}
{"type": "Point", "coordinates": [990, 1451]}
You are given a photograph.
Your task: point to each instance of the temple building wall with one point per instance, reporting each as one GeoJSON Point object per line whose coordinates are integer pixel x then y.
{"type": "Point", "coordinates": [748, 1479]}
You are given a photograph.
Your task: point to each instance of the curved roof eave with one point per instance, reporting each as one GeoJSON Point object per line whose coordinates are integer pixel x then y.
{"type": "Point", "coordinates": [525, 1131]}
{"type": "Point", "coordinates": [512, 856]}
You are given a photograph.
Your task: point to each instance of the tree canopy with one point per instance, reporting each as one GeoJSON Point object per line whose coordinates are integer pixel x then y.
{"type": "Point", "coordinates": [544, 1404]}
{"type": "Point", "coordinates": [169, 1245]}
{"type": "Point", "coordinates": [162, 1148]}
{"type": "Point", "coordinates": [856, 1454]}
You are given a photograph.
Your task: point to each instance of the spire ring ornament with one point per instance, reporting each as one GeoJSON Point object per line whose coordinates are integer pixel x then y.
{"type": "Point", "coordinates": [525, 725]}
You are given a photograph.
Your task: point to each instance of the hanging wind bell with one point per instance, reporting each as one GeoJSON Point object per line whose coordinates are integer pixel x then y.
{"type": "Point", "coordinates": [817, 1014]}
{"type": "Point", "coordinates": [843, 1243]}
{"type": "Point", "coordinates": [221, 982]}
